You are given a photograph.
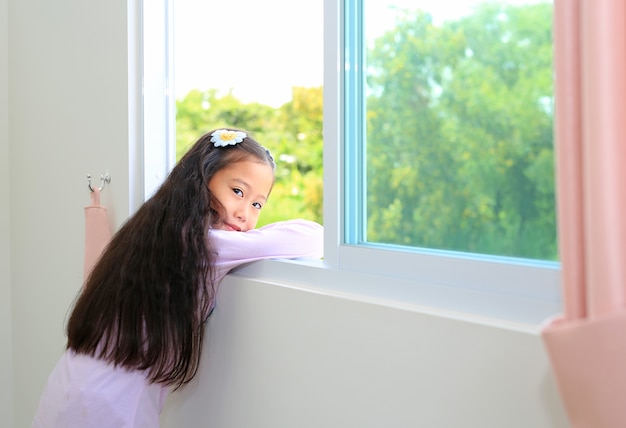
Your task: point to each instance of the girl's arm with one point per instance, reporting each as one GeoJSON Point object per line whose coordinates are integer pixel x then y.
{"type": "Point", "coordinates": [286, 239]}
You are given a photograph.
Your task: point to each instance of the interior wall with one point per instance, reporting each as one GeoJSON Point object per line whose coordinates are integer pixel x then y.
{"type": "Point", "coordinates": [6, 361]}
{"type": "Point", "coordinates": [275, 354]}
{"type": "Point", "coordinates": [283, 356]}
{"type": "Point", "coordinates": [68, 109]}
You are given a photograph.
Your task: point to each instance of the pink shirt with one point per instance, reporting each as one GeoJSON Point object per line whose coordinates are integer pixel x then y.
{"type": "Point", "coordinates": [87, 392]}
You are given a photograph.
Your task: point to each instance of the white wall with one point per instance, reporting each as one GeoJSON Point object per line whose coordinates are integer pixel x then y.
{"type": "Point", "coordinates": [276, 354]}
{"type": "Point", "coordinates": [293, 356]}
{"type": "Point", "coordinates": [68, 111]}
{"type": "Point", "coordinates": [6, 363]}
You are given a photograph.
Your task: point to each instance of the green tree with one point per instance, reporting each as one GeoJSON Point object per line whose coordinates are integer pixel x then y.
{"type": "Point", "coordinates": [459, 133]}
{"type": "Point", "coordinates": [293, 134]}
{"type": "Point", "coordinates": [200, 111]}
{"type": "Point", "coordinates": [298, 147]}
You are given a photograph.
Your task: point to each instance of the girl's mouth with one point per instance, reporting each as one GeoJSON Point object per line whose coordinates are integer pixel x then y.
{"type": "Point", "coordinates": [232, 227]}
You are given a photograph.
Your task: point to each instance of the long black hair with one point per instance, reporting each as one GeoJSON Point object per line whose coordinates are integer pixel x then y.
{"type": "Point", "coordinates": [144, 304]}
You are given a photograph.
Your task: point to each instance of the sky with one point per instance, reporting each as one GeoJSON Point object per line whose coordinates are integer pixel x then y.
{"type": "Point", "coordinates": [260, 49]}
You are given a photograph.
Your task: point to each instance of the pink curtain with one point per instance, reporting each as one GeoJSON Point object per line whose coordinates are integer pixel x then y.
{"type": "Point", "coordinates": [587, 345]}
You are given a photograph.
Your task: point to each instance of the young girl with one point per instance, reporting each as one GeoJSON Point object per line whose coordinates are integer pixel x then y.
{"type": "Point", "coordinates": [137, 327]}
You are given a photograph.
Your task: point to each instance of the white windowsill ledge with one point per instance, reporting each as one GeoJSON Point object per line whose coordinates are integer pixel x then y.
{"type": "Point", "coordinates": [497, 310]}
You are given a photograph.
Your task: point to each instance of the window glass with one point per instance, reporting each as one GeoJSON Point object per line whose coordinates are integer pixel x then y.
{"type": "Point", "coordinates": [438, 166]}
{"type": "Point", "coordinates": [256, 65]}
{"type": "Point", "coordinates": [452, 124]}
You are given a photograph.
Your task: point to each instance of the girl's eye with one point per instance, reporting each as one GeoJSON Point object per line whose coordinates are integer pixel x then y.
{"type": "Point", "coordinates": [238, 192]}
{"type": "Point", "coordinates": [257, 205]}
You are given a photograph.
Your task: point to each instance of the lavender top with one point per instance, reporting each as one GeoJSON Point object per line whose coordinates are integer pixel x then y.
{"type": "Point", "coordinates": [84, 391]}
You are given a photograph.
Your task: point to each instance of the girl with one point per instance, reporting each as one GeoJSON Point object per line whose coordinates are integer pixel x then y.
{"type": "Point", "coordinates": [136, 329]}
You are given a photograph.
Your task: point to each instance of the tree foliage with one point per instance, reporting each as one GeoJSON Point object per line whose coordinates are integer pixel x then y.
{"type": "Point", "coordinates": [459, 135]}
{"type": "Point", "coordinates": [293, 134]}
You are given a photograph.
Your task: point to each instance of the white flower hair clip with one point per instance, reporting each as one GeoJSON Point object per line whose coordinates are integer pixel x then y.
{"type": "Point", "coordinates": [225, 137]}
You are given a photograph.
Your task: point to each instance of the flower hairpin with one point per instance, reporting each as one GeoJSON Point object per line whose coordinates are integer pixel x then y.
{"type": "Point", "coordinates": [225, 137]}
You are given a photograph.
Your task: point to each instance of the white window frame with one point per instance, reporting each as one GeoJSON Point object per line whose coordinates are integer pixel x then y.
{"type": "Point", "coordinates": [516, 292]}
{"type": "Point", "coordinates": [507, 285]}
{"type": "Point", "coordinates": [158, 106]}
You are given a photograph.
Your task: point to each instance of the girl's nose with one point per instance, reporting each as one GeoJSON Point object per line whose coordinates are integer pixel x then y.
{"type": "Point", "coordinates": [242, 212]}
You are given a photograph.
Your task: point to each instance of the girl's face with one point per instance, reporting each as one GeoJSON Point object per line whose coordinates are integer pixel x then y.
{"type": "Point", "coordinates": [242, 189]}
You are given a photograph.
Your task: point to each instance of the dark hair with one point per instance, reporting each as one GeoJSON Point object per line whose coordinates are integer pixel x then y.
{"type": "Point", "coordinates": [144, 304]}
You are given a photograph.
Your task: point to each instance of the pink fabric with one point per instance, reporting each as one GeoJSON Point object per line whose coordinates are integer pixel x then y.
{"type": "Point", "coordinates": [588, 358]}
{"type": "Point", "coordinates": [604, 152]}
{"type": "Point", "coordinates": [586, 347]}
{"type": "Point", "coordinates": [568, 150]}
{"type": "Point", "coordinates": [97, 232]}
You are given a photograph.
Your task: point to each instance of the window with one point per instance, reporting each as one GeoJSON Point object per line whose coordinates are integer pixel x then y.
{"type": "Point", "coordinates": [157, 103]}
{"type": "Point", "coordinates": [420, 165]}
{"type": "Point", "coordinates": [447, 164]}
{"type": "Point", "coordinates": [456, 107]}
{"type": "Point", "coordinates": [236, 65]}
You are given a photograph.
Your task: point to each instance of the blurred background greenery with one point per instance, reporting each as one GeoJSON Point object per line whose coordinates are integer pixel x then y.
{"type": "Point", "coordinates": [459, 137]}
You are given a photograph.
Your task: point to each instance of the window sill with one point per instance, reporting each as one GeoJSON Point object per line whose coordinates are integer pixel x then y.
{"type": "Point", "coordinates": [487, 308]}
